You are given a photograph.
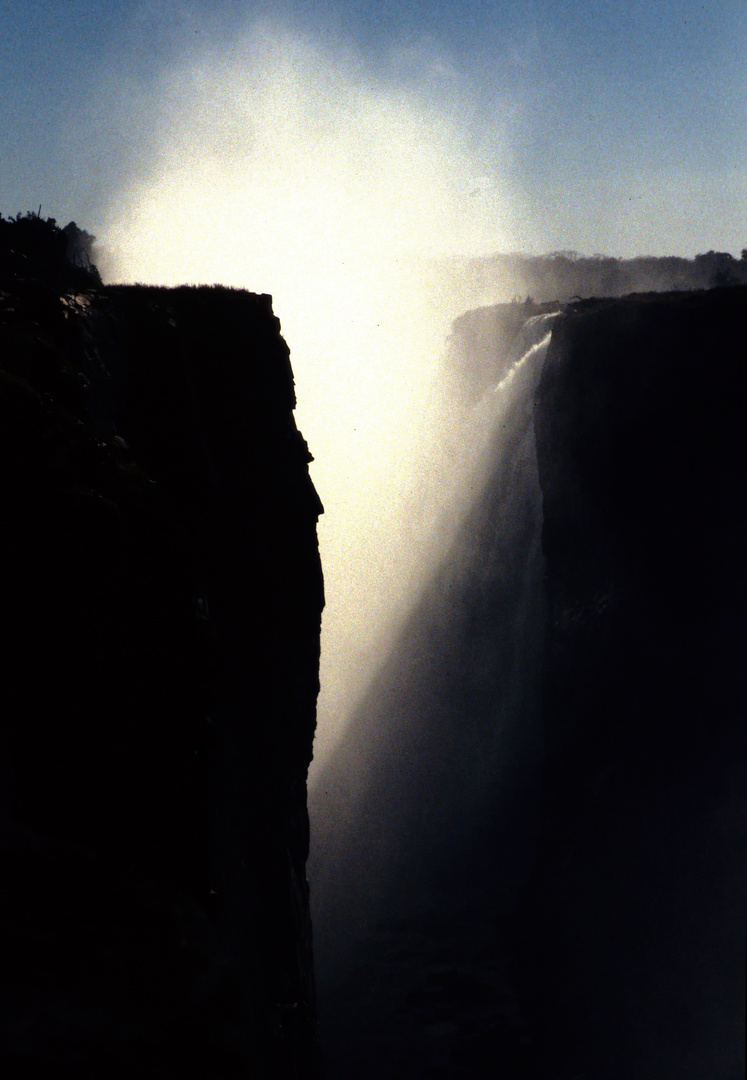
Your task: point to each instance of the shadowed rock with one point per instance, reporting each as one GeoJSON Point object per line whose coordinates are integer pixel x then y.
{"type": "Point", "coordinates": [160, 631]}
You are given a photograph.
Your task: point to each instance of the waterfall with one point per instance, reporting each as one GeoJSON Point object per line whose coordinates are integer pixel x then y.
{"type": "Point", "coordinates": [423, 823]}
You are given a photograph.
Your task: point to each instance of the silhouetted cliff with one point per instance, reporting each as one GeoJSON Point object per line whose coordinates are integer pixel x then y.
{"type": "Point", "coordinates": [161, 601]}
{"type": "Point", "coordinates": [632, 952]}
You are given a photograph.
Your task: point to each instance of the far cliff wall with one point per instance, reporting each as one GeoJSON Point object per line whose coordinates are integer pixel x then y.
{"type": "Point", "coordinates": [632, 938]}
{"type": "Point", "coordinates": [160, 620]}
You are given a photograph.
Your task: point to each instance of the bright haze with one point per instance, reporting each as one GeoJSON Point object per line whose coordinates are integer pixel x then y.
{"type": "Point", "coordinates": [343, 156]}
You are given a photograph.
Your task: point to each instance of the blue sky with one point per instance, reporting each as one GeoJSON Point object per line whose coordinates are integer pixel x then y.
{"type": "Point", "coordinates": [623, 126]}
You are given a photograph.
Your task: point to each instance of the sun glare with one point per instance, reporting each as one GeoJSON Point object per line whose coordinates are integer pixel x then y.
{"type": "Point", "coordinates": [285, 169]}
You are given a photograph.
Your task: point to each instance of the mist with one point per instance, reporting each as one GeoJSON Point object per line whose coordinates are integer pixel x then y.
{"type": "Point", "coordinates": [280, 165]}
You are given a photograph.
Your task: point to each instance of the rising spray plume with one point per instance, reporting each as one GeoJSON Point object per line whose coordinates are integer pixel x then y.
{"type": "Point", "coordinates": [280, 165]}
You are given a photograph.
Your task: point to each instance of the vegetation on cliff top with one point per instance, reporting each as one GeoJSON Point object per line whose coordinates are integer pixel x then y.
{"type": "Point", "coordinates": [37, 248]}
{"type": "Point", "coordinates": [565, 275]}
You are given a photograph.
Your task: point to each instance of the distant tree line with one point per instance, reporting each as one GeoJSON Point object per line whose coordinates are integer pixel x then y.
{"type": "Point", "coordinates": [565, 274]}
{"type": "Point", "coordinates": [37, 248]}
{"type": "Point", "coordinates": [33, 247]}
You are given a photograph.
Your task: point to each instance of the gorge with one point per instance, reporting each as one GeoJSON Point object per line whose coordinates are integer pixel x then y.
{"type": "Point", "coordinates": [528, 849]}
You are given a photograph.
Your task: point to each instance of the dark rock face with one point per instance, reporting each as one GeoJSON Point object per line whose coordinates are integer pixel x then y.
{"type": "Point", "coordinates": [632, 947]}
{"type": "Point", "coordinates": [160, 633]}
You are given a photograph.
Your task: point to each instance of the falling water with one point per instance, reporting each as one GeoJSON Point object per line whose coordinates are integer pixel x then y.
{"type": "Point", "coordinates": [424, 820]}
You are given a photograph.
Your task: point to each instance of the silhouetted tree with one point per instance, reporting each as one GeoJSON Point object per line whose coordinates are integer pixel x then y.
{"type": "Point", "coordinates": [33, 247]}
{"type": "Point", "coordinates": [79, 246]}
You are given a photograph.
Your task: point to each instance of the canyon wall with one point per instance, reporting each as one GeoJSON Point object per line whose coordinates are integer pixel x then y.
{"type": "Point", "coordinates": [161, 604]}
{"type": "Point", "coordinates": [631, 948]}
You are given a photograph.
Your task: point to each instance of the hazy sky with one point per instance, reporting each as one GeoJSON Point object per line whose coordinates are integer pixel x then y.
{"type": "Point", "coordinates": [607, 126]}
